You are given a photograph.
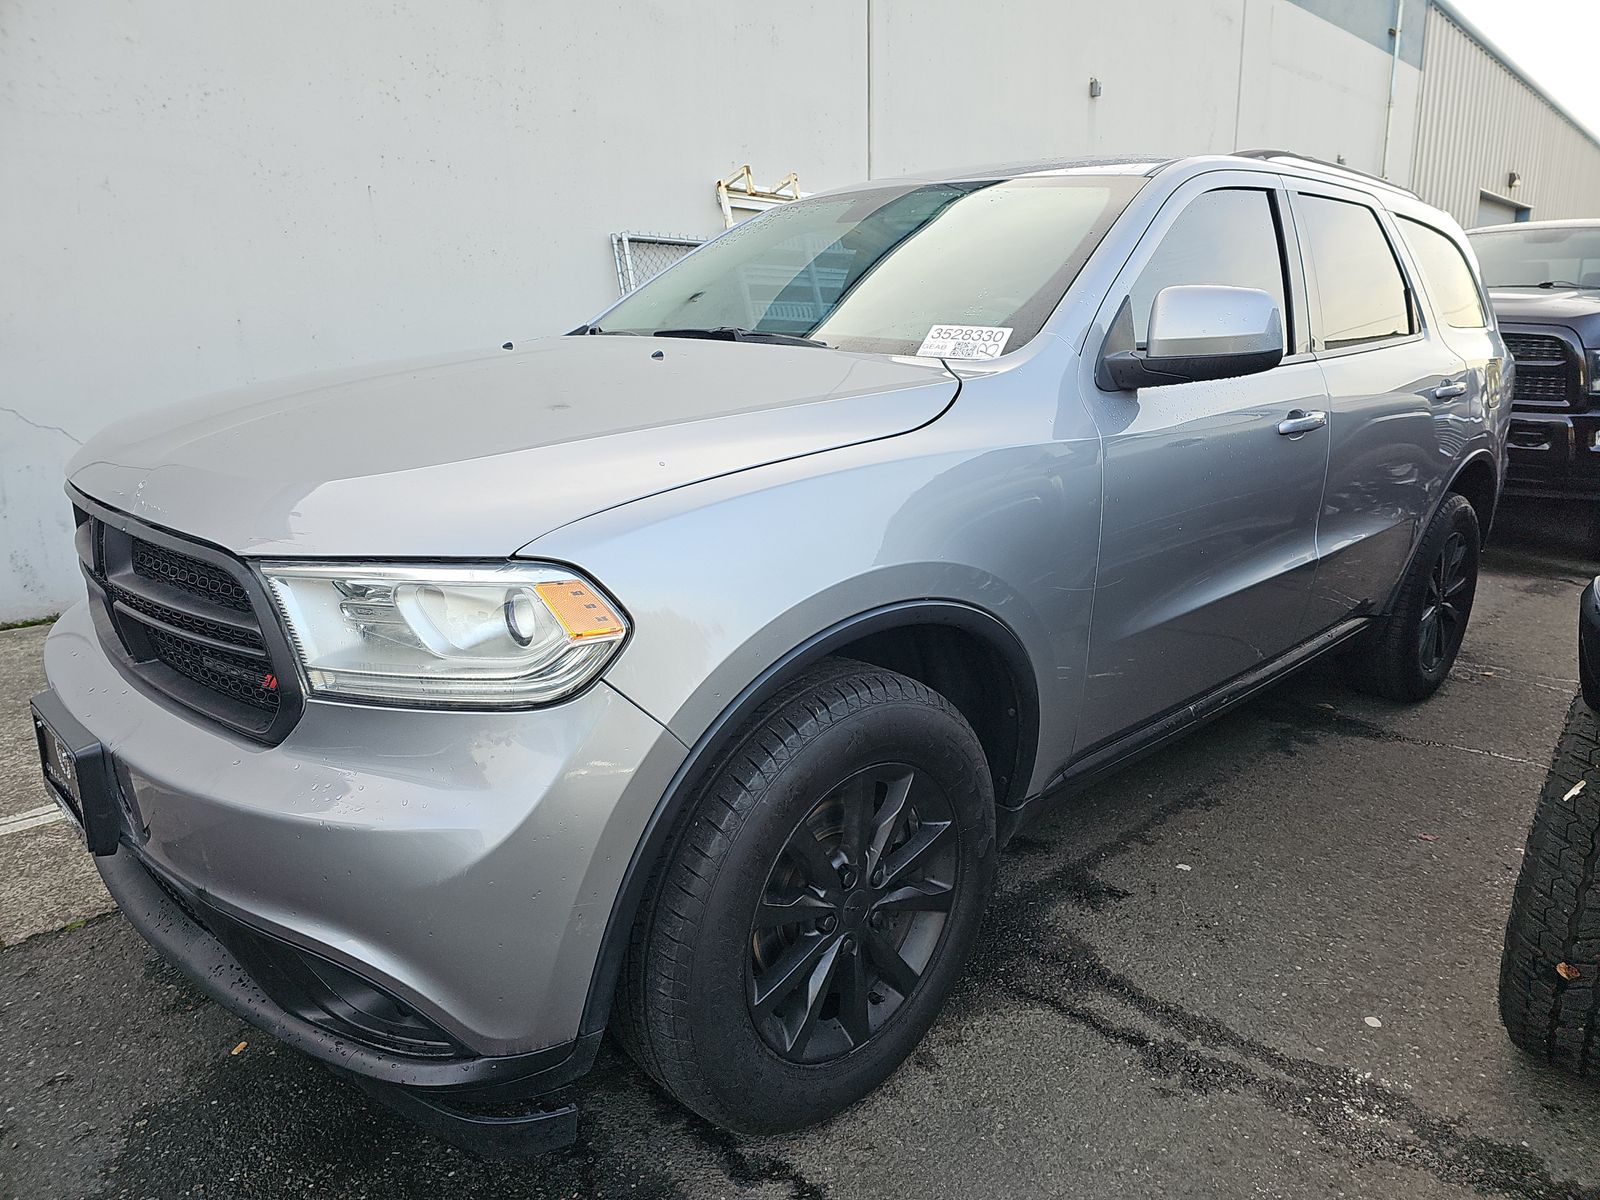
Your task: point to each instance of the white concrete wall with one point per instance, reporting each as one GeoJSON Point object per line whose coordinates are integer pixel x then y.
{"type": "Point", "coordinates": [196, 195]}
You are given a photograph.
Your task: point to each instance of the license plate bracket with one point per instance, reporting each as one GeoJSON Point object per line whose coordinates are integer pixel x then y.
{"type": "Point", "coordinates": [79, 773]}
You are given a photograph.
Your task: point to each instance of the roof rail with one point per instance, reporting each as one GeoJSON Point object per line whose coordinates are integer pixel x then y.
{"type": "Point", "coordinates": [1321, 164]}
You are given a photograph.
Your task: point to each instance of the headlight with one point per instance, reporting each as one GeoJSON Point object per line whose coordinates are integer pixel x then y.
{"type": "Point", "coordinates": [1594, 372]}
{"type": "Point", "coordinates": [502, 635]}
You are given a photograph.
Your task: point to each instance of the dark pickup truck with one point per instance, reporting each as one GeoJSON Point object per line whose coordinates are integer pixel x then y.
{"type": "Point", "coordinates": [1544, 280]}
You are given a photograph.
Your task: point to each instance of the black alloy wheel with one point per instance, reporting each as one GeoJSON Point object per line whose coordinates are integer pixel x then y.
{"type": "Point", "coordinates": [852, 913]}
{"type": "Point", "coordinates": [1449, 597]}
{"type": "Point", "coordinates": [1407, 652]}
{"type": "Point", "coordinates": [821, 895]}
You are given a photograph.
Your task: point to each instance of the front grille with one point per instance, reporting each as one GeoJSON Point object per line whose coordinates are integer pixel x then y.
{"type": "Point", "coordinates": [226, 674]}
{"type": "Point", "coordinates": [1548, 374]}
{"type": "Point", "coordinates": [190, 574]}
{"type": "Point", "coordinates": [188, 621]}
{"type": "Point", "coordinates": [1541, 385]}
{"type": "Point", "coordinates": [1535, 345]}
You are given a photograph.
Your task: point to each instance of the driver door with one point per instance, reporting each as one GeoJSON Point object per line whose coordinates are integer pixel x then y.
{"type": "Point", "coordinates": [1208, 540]}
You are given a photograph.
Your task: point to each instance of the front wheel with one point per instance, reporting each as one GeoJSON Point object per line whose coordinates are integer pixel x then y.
{"type": "Point", "coordinates": [1408, 652]}
{"type": "Point", "coordinates": [820, 901]}
{"type": "Point", "coordinates": [1550, 973]}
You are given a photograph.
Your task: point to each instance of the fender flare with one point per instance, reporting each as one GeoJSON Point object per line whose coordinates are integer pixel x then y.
{"type": "Point", "coordinates": [1496, 468]}
{"type": "Point", "coordinates": [656, 840]}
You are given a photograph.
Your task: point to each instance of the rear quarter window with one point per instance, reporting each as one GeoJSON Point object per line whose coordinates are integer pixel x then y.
{"type": "Point", "coordinates": [1448, 277]}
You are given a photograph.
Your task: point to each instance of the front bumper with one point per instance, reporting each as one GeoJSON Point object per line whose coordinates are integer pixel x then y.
{"type": "Point", "coordinates": [1554, 454]}
{"type": "Point", "coordinates": [452, 872]}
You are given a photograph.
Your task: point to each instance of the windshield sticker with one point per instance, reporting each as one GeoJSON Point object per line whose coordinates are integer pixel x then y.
{"type": "Point", "coordinates": [964, 341]}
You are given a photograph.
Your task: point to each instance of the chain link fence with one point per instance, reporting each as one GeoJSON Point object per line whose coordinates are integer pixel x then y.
{"type": "Point", "coordinates": [642, 256]}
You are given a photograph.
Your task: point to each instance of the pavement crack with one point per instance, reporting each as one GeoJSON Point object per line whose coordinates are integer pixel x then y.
{"type": "Point", "coordinates": [1075, 879]}
{"type": "Point", "coordinates": [751, 1168]}
{"type": "Point", "coordinates": [1307, 718]}
{"type": "Point", "coordinates": [1066, 975]}
{"type": "Point", "coordinates": [1350, 1110]}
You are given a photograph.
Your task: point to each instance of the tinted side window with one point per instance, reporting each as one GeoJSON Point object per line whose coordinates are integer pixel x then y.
{"type": "Point", "coordinates": [1363, 294]}
{"type": "Point", "coordinates": [1445, 271]}
{"type": "Point", "coordinates": [1228, 237]}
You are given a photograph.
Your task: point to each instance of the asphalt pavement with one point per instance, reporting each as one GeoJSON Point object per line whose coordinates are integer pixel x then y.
{"type": "Point", "coordinates": [1260, 963]}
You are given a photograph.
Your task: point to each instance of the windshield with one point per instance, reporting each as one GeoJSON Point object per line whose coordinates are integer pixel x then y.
{"type": "Point", "coordinates": [1566, 257]}
{"type": "Point", "coordinates": [876, 270]}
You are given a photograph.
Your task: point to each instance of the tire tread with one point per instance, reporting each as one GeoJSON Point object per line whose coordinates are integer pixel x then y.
{"type": "Point", "coordinates": [1555, 912]}
{"type": "Point", "coordinates": [652, 1018]}
{"type": "Point", "coordinates": [1382, 661]}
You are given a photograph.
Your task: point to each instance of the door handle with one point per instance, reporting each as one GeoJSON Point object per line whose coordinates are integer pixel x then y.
{"type": "Point", "coordinates": [1449, 390]}
{"type": "Point", "coordinates": [1301, 422]}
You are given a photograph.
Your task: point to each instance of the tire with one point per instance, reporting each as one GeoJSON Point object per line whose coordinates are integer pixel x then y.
{"type": "Point", "coordinates": [758, 887]}
{"type": "Point", "coordinates": [1550, 972]}
{"type": "Point", "coordinates": [1409, 651]}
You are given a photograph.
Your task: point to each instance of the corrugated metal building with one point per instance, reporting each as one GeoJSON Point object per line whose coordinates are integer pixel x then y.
{"type": "Point", "coordinates": [1491, 145]}
{"type": "Point", "coordinates": [196, 196]}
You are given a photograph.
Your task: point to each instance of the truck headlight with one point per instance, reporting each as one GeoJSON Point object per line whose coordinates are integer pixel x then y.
{"type": "Point", "coordinates": [1593, 357]}
{"type": "Point", "coordinates": [491, 635]}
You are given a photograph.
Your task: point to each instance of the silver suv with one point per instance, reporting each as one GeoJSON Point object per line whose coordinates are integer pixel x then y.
{"type": "Point", "coordinates": [685, 674]}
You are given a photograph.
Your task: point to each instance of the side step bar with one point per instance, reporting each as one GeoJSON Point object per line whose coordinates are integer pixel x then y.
{"type": "Point", "coordinates": [1100, 761]}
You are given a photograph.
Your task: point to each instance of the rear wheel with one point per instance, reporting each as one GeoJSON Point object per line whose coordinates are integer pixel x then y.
{"type": "Point", "coordinates": [1407, 653]}
{"type": "Point", "coordinates": [820, 900]}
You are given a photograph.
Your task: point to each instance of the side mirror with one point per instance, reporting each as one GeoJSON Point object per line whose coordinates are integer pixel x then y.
{"type": "Point", "coordinates": [1196, 332]}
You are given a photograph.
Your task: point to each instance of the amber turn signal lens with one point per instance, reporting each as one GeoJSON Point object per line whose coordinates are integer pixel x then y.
{"type": "Point", "coordinates": [581, 612]}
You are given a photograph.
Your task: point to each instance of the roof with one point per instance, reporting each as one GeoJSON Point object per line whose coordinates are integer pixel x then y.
{"type": "Point", "coordinates": [1123, 164]}
{"type": "Point", "coordinates": [1149, 165]}
{"type": "Point", "coordinates": [1326, 168]}
{"type": "Point", "coordinates": [1567, 223]}
{"type": "Point", "coordinates": [1494, 52]}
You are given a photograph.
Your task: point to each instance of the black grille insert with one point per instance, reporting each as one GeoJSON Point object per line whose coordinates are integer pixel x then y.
{"type": "Point", "coordinates": [1547, 370]}
{"type": "Point", "coordinates": [188, 621]}
{"type": "Point", "coordinates": [230, 675]}
{"type": "Point", "coordinates": [185, 621]}
{"type": "Point", "coordinates": [1541, 385]}
{"type": "Point", "coordinates": [189, 574]}
{"type": "Point", "coordinates": [1535, 346]}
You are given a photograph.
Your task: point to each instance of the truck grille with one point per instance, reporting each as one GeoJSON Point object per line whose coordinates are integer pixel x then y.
{"type": "Point", "coordinates": [1548, 371]}
{"type": "Point", "coordinates": [187, 621]}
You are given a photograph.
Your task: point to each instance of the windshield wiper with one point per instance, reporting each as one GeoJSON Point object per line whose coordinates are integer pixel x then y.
{"type": "Point", "coordinates": [735, 333]}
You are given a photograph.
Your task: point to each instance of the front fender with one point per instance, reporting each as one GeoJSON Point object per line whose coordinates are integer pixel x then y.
{"type": "Point", "coordinates": [726, 578]}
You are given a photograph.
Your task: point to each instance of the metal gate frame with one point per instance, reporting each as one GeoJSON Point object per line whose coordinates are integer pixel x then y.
{"type": "Point", "coordinates": [622, 246]}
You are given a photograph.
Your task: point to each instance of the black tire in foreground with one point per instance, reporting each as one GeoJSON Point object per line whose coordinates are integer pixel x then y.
{"type": "Point", "coordinates": [1409, 651]}
{"type": "Point", "coordinates": [1550, 974]}
{"type": "Point", "coordinates": [818, 902]}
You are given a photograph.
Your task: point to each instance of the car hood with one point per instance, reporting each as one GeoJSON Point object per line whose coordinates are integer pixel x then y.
{"type": "Point", "coordinates": [476, 455]}
{"type": "Point", "coordinates": [1578, 308]}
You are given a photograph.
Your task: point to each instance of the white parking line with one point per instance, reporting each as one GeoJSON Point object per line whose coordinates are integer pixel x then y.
{"type": "Point", "coordinates": [45, 814]}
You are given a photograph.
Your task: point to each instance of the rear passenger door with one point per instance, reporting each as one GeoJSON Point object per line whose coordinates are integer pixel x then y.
{"type": "Point", "coordinates": [1391, 387]}
{"type": "Point", "coordinates": [1456, 308]}
{"type": "Point", "coordinates": [1208, 527]}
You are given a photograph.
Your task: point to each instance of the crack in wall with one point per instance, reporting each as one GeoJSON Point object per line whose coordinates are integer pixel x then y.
{"type": "Point", "coordinates": [5, 408]}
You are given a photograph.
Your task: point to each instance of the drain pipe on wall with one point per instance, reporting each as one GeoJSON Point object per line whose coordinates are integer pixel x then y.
{"type": "Point", "coordinates": [1394, 73]}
